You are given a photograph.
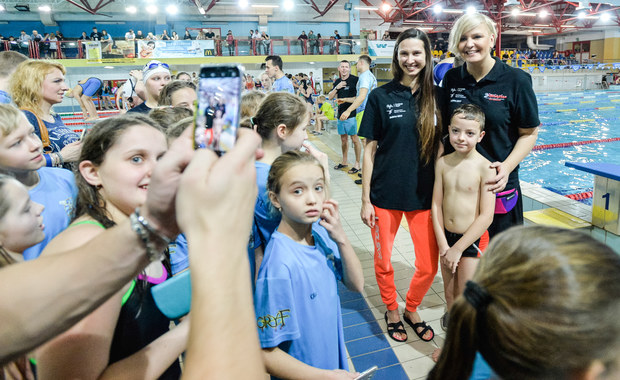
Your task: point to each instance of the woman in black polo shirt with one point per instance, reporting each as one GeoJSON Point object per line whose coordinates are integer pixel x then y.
{"type": "Point", "coordinates": [506, 96]}
{"type": "Point", "coordinates": [402, 141]}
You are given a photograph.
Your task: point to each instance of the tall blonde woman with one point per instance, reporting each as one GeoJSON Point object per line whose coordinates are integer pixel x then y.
{"type": "Point", "coordinates": [36, 86]}
{"type": "Point", "coordinates": [506, 96]}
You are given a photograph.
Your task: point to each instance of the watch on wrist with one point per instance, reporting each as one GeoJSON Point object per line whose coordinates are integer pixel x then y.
{"type": "Point", "coordinates": [149, 236]}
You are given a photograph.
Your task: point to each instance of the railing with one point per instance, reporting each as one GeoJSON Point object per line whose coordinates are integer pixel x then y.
{"type": "Point", "coordinates": [74, 49]}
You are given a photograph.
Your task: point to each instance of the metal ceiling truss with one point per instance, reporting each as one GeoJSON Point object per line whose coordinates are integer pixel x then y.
{"type": "Point", "coordinates": [93, 10]}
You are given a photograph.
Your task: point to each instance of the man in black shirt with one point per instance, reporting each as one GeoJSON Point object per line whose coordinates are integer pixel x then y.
{"type": "Point", "coordinates": [345, 87]}
{"type": "Point", "coordinates": [95, 35]}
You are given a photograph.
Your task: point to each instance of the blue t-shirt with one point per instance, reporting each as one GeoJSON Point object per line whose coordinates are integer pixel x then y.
{"type": "Point", "coordinates": [283, 84]}
{"type": "Point", "coordinates": [57, 192]}
{"type": "Point", "coordinates": [179, 257]}
{"type": "Point", "coordinates": [59, 134]}
{"type": "Point", "coordinates": [365, 80]}
{"type": "Point", "coordinates": [296, 300]}
{"type": "Point", "coordinates": [5, 97]}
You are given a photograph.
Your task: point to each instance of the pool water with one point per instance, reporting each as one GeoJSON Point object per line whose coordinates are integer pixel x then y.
{"type": "Point", "coordinates": [573, 117]}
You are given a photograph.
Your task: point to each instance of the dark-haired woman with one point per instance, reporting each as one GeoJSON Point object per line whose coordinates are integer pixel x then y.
{"type": "Point", "coordinates": [402, 142]}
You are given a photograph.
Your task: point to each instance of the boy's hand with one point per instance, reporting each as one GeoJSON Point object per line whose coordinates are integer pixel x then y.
{"type": "Point", "coordinates": [330, 219]}
{"type": "Point", "coordinates": [451, 258]}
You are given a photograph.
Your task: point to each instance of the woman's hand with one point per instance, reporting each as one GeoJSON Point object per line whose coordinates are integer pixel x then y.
{"type": "Point", "coordinates": [18, 369]}
{"type": "Point", "coordinates": [498, 183]}
{"type": "Point", "coordinates": [71, 152]}
{"type": "Point", "coordinates": [330, 219]}
{"type": "Point", "coordinates": [368, 214]}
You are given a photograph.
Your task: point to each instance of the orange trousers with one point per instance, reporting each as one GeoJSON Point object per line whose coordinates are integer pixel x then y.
{"type": "Point", "coordinates": [426, 254]}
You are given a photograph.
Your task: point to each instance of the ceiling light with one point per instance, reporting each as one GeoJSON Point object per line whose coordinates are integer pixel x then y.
{"type": "Point", "coordinates": [152, 9]}
{"type": "Point", "coordinates": [543, 13]}
{"type": "Point", "coordinates": [581, 14]}
{"type": "Point", "coordinates": [366, 8]}
{"type": "Point", "coordinates": [45, 8]}
{"type": "Point", "coordinates": [515, 11]}
{"type": "Point", "coordinates": [131, 9]}
{"type": "Point", "coordinates": [385, 7]}
{"type": "Point", "coordinates": [288, 5]}
{"type": "Point", "coordinates": [172, 9]}
{"type": "Point", "coordinates": [265, 6]}
{"type": "Point", "coordinates": [528, 14]}
{"type": "Point", "coordinates": [243, 3]}
{"type": "Point", "coordinates": [108, 67]}
{"type": "Point", "coordinates": [605, 16]}
{"type": "Point", "coordinates": [23, 7]}
{"type": "Point", "coordinates": [471, 10]}
{"type": "Point", "coordinates": [437, 9]}
{"type": "Point", "coordinates": [1, 7]}
{"type": "Point", "coordinates": [201, 10]}
{"type": "Point", "coordinates": [457, 11]}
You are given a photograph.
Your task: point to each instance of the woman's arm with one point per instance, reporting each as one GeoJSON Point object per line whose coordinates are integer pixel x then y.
{"type": "Point", "coordinates": [368, 211]}
{"type": "Point", "coordinates": [523, 147]}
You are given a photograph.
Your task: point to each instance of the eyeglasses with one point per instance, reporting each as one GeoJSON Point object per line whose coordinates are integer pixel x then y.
{"type": "Point", "coordinates": [157, 64]}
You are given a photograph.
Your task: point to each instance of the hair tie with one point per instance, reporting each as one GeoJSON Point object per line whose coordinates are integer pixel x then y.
{"type": "Point", "coordinates": [252, 122]}
{"type": "Point", "coordinates": [477, 296]}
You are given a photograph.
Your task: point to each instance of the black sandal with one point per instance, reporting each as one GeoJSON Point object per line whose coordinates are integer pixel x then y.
{"type": "Point", "coordinates": [416, 326]}
{"type": "Point", "coordinates": [396, 327]}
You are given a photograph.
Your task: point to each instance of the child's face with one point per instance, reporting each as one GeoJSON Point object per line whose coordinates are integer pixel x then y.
{"type": "Point", "coordinates": [21, 149]}
{"type": "Point", "coordinates": [125, 173]}
{"type": "Point", "coordinates": [156, 82]}
{"type": "Point", "coordinates": [302, 193]}
{"type": "Point", "coordinates": [295, 139]}
{"type": "Point", "coordinates": [464, 134]}
{"type": "Point", "coordinates": [22, 225]}
{"type": "Point", "coordinates": [184, 97]}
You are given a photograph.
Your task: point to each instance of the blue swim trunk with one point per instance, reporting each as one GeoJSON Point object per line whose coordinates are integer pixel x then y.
{"type": "Point", "coordinates": [347, 127]}
{"type": "Point", "coordinates": [91, 86]}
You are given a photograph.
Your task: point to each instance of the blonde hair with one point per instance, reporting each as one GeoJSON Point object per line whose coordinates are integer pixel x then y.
{"type": "Point", "coordinates": [27, 83]}
{"type": "Point", "coordinates": [9, 119]}
{"type": "Point", "coordinates": [547, 305]}
{"type": "Point", "coordinates": [250, 101]}
{"type": "Point", "coordinates": [466, 23]}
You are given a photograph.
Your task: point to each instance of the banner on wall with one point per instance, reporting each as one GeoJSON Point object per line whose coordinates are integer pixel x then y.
{"type": "Point", "coordinates": [176, 49]}
{"type": "Point", "coordinates": [93, 50]}
{"type": "Point", "coordinates": [381, 48]}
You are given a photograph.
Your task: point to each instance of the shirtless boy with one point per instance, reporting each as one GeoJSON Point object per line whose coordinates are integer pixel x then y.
{"type": "Point", "coordinates": [463, 207]}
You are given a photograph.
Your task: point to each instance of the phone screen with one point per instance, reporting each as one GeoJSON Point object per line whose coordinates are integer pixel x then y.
{"type": "Point", "coordinates": [217, 114]}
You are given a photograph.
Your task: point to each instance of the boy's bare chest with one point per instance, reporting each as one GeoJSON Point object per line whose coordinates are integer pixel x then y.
{"type": "Point", "coordinates": [461, 180]}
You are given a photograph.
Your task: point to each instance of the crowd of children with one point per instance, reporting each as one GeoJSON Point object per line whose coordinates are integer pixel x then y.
{"type": "Point", "coordinates": [449, 190]}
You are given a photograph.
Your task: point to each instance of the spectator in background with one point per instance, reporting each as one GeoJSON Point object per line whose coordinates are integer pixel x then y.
{"type": "Point", "coordinates": [184, 76]}
{"type": "Point", "coordinates": [53, 45]}
{"type": "Point", "coordinates": [303, 42]}
{"type": "Point", "coordinates": [130, 36]}
{"type": "Point", "coordinates": [209, 35]}
{"type": "Point", "coordinates": [150, 37]}
{"type": "Point", "coordinates": [319, 43]}
{"type": "Point", "coordinates": [312, 40]}
{"type": "Point", "coordinates": [24, 42]}
{"type": "Point", "coordinates": [230, 42]}
{"type": "Point", "coordinates": [175, 36]}
{"type": "Point", "coordinates": [178, 93]}
{"type": "Point", "coordinates": [273, 68]}
{"type": "Point", "coordinates": [336, 42]}
{"type": "Point", "coordinates": [256, 40]}
{"type": "Point", "coordinates": [139, 35]}
{"type": "Point", "coordinates": [83, 37]}
{"type": "Point", "coordinates": [265, 82]}
{"type": "Point", "coordinates": [106, 41]}
{"type": "Point", "coordinates": [266, 43]}
{"type": "Point", "coordinates": [165, 36]}
{"type": "Point", "coordinates": [95, 35]}
{"type": "Point", "coordinates": [386, 36]}
{"type": "Point", "coordinates": [187, 36]}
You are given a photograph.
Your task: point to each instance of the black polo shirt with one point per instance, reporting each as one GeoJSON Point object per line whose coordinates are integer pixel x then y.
{"type": "Point", "coordinates": [507, 99]}
{"type": "Point", "coordinates": [399, 180]}
{"type": "Point", "coordinates": [348, 91]}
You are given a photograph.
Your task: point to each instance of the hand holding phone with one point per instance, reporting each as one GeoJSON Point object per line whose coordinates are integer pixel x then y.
{"type": "Point", "coordinates": [217, 114]}
{"type": "Point", "coordinates": [368, 374]}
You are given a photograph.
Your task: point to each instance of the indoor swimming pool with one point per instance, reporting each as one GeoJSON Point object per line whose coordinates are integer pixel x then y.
{"type": "Point", "coordinates": [580, 127]}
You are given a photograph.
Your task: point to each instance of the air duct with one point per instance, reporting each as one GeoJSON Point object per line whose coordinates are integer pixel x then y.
{"type": "Point", "coordinates": [536, 46]}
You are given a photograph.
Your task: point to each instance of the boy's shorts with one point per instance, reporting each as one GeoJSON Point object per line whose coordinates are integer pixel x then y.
{"type": "Point", "coordinates": [475, 250]}
{"type": "Point", "coordinates": [347, 127]}
{"type": "Point", "coordinates": [358, 119]}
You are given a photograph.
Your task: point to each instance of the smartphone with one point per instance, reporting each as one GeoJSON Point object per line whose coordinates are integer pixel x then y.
{"type": "Point", "coordinates": [368, 374]}
{"type": "Point", "coordinates": [218, 107]}
{"type": "Point", "coordinates": [173, 297]}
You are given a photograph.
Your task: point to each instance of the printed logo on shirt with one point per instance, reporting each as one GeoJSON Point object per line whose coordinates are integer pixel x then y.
{"type": "Point", "coordinates": [395, 110]}
{"type": "Point", "coordinates": [69, 207]}
{"type": "Point", "coordinates": [273, 321]}
{"type": "Point", "coordinates": [456, 95]}
{"type": "Point", "coordinates": [495, 97]}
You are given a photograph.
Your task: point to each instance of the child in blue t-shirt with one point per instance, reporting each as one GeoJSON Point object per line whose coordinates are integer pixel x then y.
{"type": "Point", "coordinates": [296, 299]}
{"type": "Point", "coordinates": [21, 156]}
